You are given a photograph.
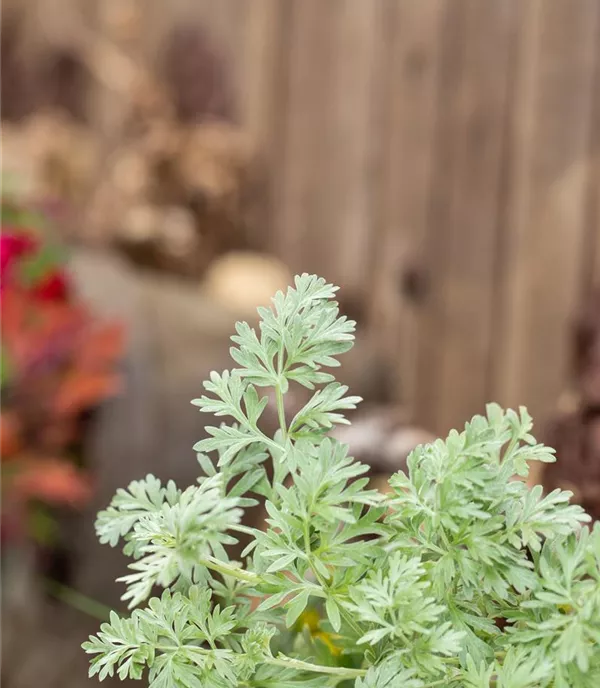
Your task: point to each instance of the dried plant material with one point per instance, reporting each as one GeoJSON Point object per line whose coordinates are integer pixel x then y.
{"type": "Point", "coordinates": [51, 157]}
{"type": "Point", "coordinates": [180, 236]}
{"type": "Point", "coordinates": [121, 19]}
{"type": "Point", "coordinates": [212, 160]}
{"type": "Point", "coordinates": [102, 222]}
{"type": "Point", "coordinates": [17, 164]}
{"type": "Point", "coordinates": [173, 192]}
{"type": "Point", "coordinates": [131, 173]}
{"type": "Point", "coordinates": [148, 104]}
{"type": "Point", "coordinates": [173, 198]}
{"type": "Point", "coordinates": [196, 75]}
{"type": "Point", "coordinates": [141, 224]}
{"type": "Point", "coordinates": [161, 139]}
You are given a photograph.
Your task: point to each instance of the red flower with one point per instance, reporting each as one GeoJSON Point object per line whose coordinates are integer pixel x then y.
{"type": "Point", "coordinates": [53, 287]}
{"type": "Point", "coordinates": [13, 246]}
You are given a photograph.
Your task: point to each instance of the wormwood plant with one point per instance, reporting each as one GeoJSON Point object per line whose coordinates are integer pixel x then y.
{"type": "Point", "coordinates": [461, 576]}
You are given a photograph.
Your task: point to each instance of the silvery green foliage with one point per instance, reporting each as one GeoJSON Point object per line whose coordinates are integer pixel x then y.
{"type": "Point", "coordinates": [461, 576]}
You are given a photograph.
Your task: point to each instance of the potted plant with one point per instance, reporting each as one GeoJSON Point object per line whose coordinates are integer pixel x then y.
{"type": "Point", "coordinates": [58, 364]}
{"type": "Point", "coordinates": [460, 575]}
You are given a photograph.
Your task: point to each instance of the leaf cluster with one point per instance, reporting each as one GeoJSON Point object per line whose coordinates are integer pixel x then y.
{"type": "Point", "coordinates": [460, 576]}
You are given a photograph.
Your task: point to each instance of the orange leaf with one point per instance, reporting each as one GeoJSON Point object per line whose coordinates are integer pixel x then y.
{"type": "Point", "coordinates": [81, 390]}
{"type": "Point", "coordinates": [59, 433]}
{"type": "Point", "coordinates": [28, 327]}
{"type": "Point", "coordinates": [13, 315]}
{"type": "Point", "coordinates": [10, 435]}
{"type": "Point", "coordinates": [53, 481]}
{"type": "Point", "coordinates": [57, 320]}
{"type": "Point", "coordinates": [101, 346]}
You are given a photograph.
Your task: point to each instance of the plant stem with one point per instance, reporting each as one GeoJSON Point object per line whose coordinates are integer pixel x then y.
{"type": "Point", "coordinates": [441, 682]}
{"type": "Point", "coordinates": [290, 663]}
{"type": "Point", "coordinates": [78, 601]}
{"type": "Point", "coordinates": [281, 661]}
{"type": "Point", "coordinates": [229, 570]}
{"type": "Point", "coordinates": [281, 410]}
{"type": "Point", "coordinates": [350, 621]}
{"type": "Point", "coordinates": [279, 394]}
{"type": "Point", "coordinates": [241, 528]}
{"type": "Point", "coordinates": [324, 584]}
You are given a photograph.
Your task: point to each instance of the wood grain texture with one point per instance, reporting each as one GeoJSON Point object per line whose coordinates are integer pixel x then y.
{"type": "Point", "coordinates": [259, 57]}
{"type": "Point", "coordinates": [324, 213]}
{"type": "Point", "coordinates": [437, 244]}
{"type": "Point", "coordinates": [411, 81]}
{"type": "Point", "coordinates": [265, 58]}
{"type": "Point", "coordinates": [592, 244]}
{"type": "Point", "coordinates": [545, 222]}
{"type": "Point", "coordinates": [467, 271]}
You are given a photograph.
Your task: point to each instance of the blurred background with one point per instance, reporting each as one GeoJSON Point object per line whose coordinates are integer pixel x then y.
{"type": "Point", "coordinates": [167, 166]}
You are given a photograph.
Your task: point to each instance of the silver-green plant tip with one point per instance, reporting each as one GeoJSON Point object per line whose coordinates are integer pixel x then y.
{"type": "Point", "coordinates": [460, 576]}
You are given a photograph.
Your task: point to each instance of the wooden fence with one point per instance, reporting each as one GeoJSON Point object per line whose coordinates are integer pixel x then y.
{"type": "Point", "coordinates": [439, 159]}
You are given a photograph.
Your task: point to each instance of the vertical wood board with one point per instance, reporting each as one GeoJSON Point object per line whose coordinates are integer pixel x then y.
{"type": "Point", "coordinates": [411, 78]}
{"type": "Point", "coordinates": [446, 146]}
{"type": "Point", "coordinates": [467, 270]}
{"type": "Point", "coordinates": [544, 240]}
{"type": "Point", "coordinates": [324, 222]}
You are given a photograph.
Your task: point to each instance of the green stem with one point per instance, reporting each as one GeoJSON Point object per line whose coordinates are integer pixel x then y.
{"type": "Point", "coordinates": [281, 661]}
{"type": "Point", "coordinates": [279, 394]}
{"type": "Point", "coordinates": [442, 681]}
{"type": "Point", "coordinates": [281, 410]}
{"type": "Point", "coordinates": [229, 570]}
{"type": "Point", "coordinates": [350, 621]}
{"type": "Point", "coordinates": [324, 584]}
{"type": "Point", "coordinates": [78, 601]}
{"type": "Point", "coordinates": [307, 550]}
{"type": "Point", "coordinates": [510, 449]}
{"type": "Point", "coordinates": [241, 528]}
{"type": "Point", "coordinates": [298, 664]}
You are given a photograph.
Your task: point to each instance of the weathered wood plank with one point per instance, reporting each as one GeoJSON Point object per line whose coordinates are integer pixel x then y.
{"type": "Point", "coordinates": [259, 58]}
{"type": "Point", "coordinates": [323, 217]}
{"type": "Point", "coordinates": [592, 244]}
{"type": "Point", "coordinates": [264, 105]}
{"type": "Point", "coordinates": [593, 274]}
{"type": "Point", "coordinates": [437, 235]}
{"type": "Point", "coordinates": [306, 87]}
{"type": "Point", "coordinates": [411, 81]}
{"type": "Point", "coordinates": [467, 272]}
{"type": "Point", "coordinates": [544, 231]}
